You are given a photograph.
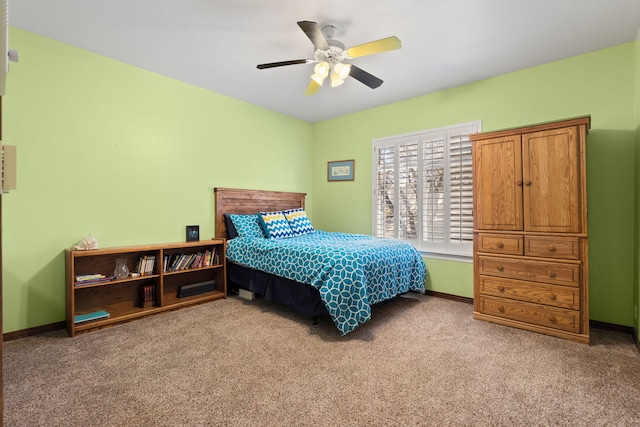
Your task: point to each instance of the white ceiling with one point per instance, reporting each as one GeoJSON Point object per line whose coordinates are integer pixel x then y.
{"type": "Point", "coordinates": [216, 44]}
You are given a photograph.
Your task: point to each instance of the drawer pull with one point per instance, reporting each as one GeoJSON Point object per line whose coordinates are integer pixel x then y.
{"type": "Point", "coordinates": [500, 245]}
{"type": "Point", "coordinates": [551, 274]}
{"type": "Point", "coordinates": [500, 268]}
{"type": "Point", "coordinates": [553, 297]}
{"type": "Point", "coordinates": [553, 319]}
{"type": "Point", "coordinates": [551, 248]}
{"type": "Point", "coordinates": [500, 288]}
{"type": "Point", "coordinates": [501, 309]}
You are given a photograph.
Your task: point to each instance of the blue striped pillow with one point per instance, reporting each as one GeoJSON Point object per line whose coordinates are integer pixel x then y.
{"type": "Point", "coordinates": [275, 225]}
{"type": "Point", "coordinates": [299, 221]}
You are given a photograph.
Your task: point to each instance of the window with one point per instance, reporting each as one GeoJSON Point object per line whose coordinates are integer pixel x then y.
{"type": "Point", "coordinates": [423, 189]}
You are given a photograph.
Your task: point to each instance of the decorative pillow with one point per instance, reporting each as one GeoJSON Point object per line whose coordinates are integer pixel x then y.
{"type": "Point", "coordinates": [231, 229]}
{"type": "Point", "coordinates": [299, 221]}
{"type": "Point", "coordinates": [247, 225]}
{"type": "Point", "coordinates": [275, 225]}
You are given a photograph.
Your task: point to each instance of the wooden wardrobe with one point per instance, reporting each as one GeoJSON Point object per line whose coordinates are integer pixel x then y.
{"type": "Point", "coordinates": [530, 228]}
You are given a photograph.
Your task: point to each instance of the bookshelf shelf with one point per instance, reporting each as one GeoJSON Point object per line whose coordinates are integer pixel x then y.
{"type": "Point", "coordinates": [155, 291]}
{"type": "Point", "coordinates": [116, 281]}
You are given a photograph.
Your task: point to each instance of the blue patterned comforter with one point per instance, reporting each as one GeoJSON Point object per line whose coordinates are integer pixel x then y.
{"type": "Point", "coordinates": [351, 271]}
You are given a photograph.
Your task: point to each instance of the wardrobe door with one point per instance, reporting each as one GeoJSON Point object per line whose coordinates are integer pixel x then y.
{"type": "Point", "coordinates": [551, 176]}
{"type": "Point", "coordinates": [497, 183]}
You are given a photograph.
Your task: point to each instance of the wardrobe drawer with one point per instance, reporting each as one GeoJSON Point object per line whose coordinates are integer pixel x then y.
{"type": "Point", "coordinates": [557, 318]}
{"type": "Point", "coordinates": [500, 243]}
{"type": "Point", "coordinates": [552, 247]}
{"type": "Point", "coordinates": [525, 269]}
{"type": "Point", "coordinates": [541, 293]}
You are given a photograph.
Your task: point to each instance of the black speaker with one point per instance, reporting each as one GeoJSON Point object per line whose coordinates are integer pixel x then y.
{"type": "Point", "coordinates": [196, 288]}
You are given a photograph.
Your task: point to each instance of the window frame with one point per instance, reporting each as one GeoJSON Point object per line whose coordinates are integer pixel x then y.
{"type": "Point", "coordinates": [461, 251]}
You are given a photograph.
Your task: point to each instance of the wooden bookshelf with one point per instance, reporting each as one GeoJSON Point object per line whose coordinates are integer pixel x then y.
{"type": "Point", "coordinates": [131, 298]}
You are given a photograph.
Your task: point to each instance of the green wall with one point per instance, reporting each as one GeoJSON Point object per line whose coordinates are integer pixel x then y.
{"type": "Point", "coordinates": [127, 155]}
{"type": "Point", "coordinates": [599, 83]}
{"type": "Point", "coordinates": [132, 157]}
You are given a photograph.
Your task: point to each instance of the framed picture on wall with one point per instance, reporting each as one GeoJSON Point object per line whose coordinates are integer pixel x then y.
{"type": "Point", "coordinates": [341, 170]}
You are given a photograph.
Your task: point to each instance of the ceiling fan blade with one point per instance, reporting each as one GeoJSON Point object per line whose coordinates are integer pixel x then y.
{"type": "Point", "coordinates": [283, 63]}
{"type": "Point", "coordinates": [382, 45]}
{"type": "Point", "coordinates": [364, 77]}
{"type": "Point", "coordinates": [313, 31]}
{"type": "Point", "coordinates": [312, 89]}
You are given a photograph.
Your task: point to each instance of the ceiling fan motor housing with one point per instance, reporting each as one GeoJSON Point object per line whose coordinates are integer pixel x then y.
{"type": "Point", "coordinates": [333, 55]}
{"type": "Point", "coordinates": [336, 52]}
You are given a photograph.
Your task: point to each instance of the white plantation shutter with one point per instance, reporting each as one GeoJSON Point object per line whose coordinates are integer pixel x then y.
{"type": "Point", "coordinates": [408, 191]}
{"type": "Point", "coordinates": [385, 200]}
{"type": "Point", "coordinates": [461, 192]}
{"type": "Point", "coordinates": [433, 200]}
{"type": "Point", "coordinates": [423, 189]}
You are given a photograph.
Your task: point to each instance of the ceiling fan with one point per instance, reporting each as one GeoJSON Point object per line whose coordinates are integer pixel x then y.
{"type": "Point", "coordinates": [329, 55]}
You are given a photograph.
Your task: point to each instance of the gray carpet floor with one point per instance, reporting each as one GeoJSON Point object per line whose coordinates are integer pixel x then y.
{"type": "Point", "coordinates": [421, 361]}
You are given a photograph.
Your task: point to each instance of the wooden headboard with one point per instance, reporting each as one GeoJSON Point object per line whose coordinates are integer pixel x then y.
{"type": "Point", "coordinates": [237, 201]}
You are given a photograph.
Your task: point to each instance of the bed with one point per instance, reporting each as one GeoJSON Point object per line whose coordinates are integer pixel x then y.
{"type": "Point", "coordinates": [315, 273]}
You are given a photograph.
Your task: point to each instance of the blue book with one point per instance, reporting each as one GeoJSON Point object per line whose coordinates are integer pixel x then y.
{"type": "Point", "coordinates": [91, 316]}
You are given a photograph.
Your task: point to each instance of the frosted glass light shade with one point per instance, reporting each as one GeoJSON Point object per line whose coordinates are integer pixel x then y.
{"type": "Point", "coordinates": [342, 70]}
{"type": "Point", "coordinates": [322, 69]}
{"type": "Point", "coordinates": [336, 80]}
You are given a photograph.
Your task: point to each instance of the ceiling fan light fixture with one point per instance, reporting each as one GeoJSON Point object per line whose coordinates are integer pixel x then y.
{"type": "Point", "coordinates": [329, 53]}
{"type": "Point", "coordinates": [321, 71]}
{"type": "Point", "coordinates": [317, 78]}
{"type": "Point", "coordinates": [342, 70]}
{"type": "Point", "coordinates": [336, 80]}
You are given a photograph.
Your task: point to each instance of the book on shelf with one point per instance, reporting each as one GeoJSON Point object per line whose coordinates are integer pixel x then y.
{"type": "Point", "coordinates": [176, 259]}
{"type": "Point", "coordinates": [178, 262]}
{"type": "Point", "coordinates": [191, 262]}
{"type": "Point", "coordinates": [82, 277]}
{"type": "Point", "coordinates": [145, 265]}
{"type": "Point", "coordinates": [151, 260]}
{"type": "Point", "coordinates": [147, 295]}
{"type": "Point", "coordinates": [91, 279]}
{"type": "Point", "coordinates": [184, 260]}
{"type": "Point", "coordinates": [101, 314]}
{"type": "Point", "coordinates": [197, 261]}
